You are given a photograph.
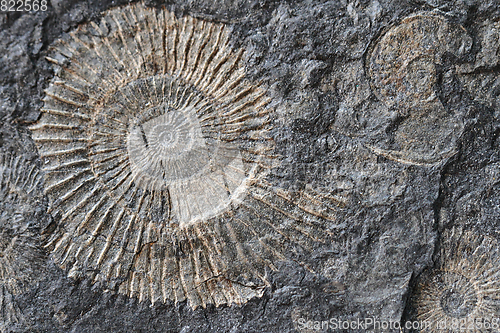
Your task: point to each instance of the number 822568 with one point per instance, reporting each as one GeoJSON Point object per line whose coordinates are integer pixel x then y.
{"type": "Point", "coordinates": [23, 5]}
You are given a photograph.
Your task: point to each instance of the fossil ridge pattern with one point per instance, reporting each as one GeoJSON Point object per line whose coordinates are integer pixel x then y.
{"type": "Point", "coordinates": [156, 150]}
{"type": "Point", "coordinates": [21, 256]}
{"type": "Point", "coordinates": [464, 285]}
{"type": "Point", "coordinates": [402, 68]}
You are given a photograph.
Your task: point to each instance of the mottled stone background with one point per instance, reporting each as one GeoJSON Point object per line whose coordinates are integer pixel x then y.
{"type": "Point", "coordinates": [312, 55]}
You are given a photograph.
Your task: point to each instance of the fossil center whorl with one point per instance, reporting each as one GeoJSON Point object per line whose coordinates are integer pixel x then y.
{"type": "Point", "coordinates": [459, 297]}
{"type": "Point", "coordinates": [173, 139]}
{"type": "Point", "coordinates": [169, 147]}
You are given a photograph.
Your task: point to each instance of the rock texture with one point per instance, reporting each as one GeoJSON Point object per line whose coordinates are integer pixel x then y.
{"type": "Point", "coordinates": [388, 108]}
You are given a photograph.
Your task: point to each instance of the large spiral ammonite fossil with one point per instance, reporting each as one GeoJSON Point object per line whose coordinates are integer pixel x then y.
{"type": "Point", "coordinates": [464, 287]}
{"type": "Point", "coordinates": [402, 66]}
{"type": "Point", "coordinates": [21, 255]}
{"type": "Point", "coordinates": [156, 149]}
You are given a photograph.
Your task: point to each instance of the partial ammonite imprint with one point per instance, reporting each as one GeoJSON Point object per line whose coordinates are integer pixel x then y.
{"type": "Point", "coordinates": [464, 287]}
{"type": "Point", "coordinates": [155, 149]}
{"type": "Point", "coordinates": [402, 68]}
{"type": "Point", "coordinates": [482, 78]}
{"type": "Point", "coordinates": [21, 255]}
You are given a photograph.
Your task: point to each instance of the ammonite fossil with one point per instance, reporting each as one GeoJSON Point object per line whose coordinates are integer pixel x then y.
{"type": "Point", "coordinates": [21, 255]}
{"type": "Point", "coordinates": [464, 288]}
{"type": "Point", "coordinates": [156, 149]}
{"type": "Point", "coordinates": [402, 68]}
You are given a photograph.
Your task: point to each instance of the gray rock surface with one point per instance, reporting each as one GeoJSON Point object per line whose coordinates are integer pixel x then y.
{"type": "Point", "coordinates": [313, 56]}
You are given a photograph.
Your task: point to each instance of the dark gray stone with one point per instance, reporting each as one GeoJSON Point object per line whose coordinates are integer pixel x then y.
{"type": "Point", "coordinates": [313, 56]}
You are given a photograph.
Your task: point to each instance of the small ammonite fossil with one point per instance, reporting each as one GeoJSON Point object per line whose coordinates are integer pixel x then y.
{"type": "Point", "coordinates": [156, 149]}
{"type": "Point", "coordinates": [402, 68]}
{"type": "Point", "coordinates": [464, 288]}
{"type": "Point", "coordinates": [21, 255]}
